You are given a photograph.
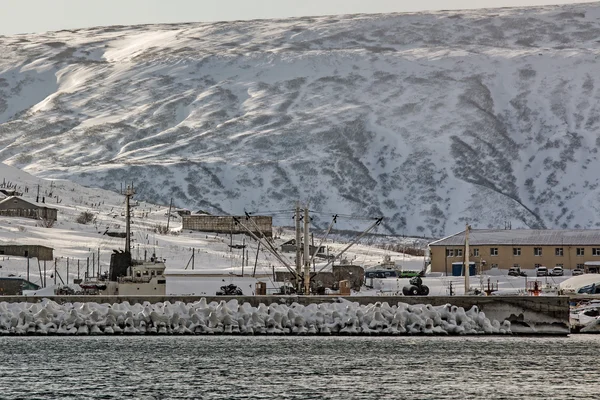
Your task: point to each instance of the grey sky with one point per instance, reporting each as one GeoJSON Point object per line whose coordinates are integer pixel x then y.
{"type": "Point", "coordinates": [21, 16]}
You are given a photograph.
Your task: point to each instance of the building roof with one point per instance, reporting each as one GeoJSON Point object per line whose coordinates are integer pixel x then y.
{"type": "Point", "coordinates": [18, 202]}
{"type": "Point", "coordinates": [525, 237]}
{"type": "Point", "coordinates": [19, 278]}
{"type": "Point", "coordinates": [5, 245]}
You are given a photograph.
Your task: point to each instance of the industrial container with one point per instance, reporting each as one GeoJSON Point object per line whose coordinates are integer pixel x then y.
{"type": "Point", "coordinates": [261, 288]}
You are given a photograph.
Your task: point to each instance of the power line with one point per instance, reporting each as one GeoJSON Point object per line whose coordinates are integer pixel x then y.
{"type": "Point", "coordinates": [272, 212]}
{"type": "Point", "coordinates": [349, 216]}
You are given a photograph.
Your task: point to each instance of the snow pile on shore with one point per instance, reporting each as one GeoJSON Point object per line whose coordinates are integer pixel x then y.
{"type": "Point", "coordinates": [229, 317]}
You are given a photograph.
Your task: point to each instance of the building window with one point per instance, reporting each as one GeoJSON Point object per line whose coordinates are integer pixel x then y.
{"type": "Point", "coordinates": [449, 252]}
{"type": "Point", "coordinates": [537, 251]}
{"type": "Point", "coordinates": [538, 265]}
{"type": "Point", "coordinates": [579, 266]}
{"type": "Point", "coordinates": [494, 265]}
{"type": "Point", "coordinates": [516, 251]}
{"type": "Point", "coordinates": [558, 251]}
{"type": "Point", "coordinates": [459, 253]}
{"type": "Point", "coordinates": [516, 266]}
{"type": "Point", "coordinates": [493, 251]}
{"type": "Point", "coordinates": [580, 251]}
{"type": "Point", "coordinates": [560, 265]}
{"type": "Point", "coordinates": [475, 252]}
{"type": "Point", "coordinates": [596, 251]}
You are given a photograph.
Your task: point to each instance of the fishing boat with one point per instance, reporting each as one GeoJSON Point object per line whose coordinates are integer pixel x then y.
{"type": "Point", "coordinates": [127, 276]}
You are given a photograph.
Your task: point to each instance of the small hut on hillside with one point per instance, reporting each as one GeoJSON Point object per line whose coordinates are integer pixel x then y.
{"type": "Point", "coordinates": [17, 207]}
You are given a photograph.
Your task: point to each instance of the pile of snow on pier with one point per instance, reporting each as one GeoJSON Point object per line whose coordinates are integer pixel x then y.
{"type": "Point", "coordinates": [230, 317]}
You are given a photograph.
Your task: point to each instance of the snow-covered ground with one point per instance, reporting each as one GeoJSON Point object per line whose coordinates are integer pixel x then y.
{"type": "Point", "coordinates": [78, 242]}
{"type": "Point", "coordinates": [212, 254]}
{"type": "Point", "coordinates": [499, 281]}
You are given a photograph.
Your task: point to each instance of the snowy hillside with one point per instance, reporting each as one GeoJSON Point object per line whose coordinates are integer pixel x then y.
{"type": "Point", "coordinates": [428, 119]}
{"type": "Point", "coordinates": [78, 242]}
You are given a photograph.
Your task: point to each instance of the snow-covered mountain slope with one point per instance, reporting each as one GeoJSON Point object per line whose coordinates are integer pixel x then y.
{"type": "Point", "coordinates": [428, 119]}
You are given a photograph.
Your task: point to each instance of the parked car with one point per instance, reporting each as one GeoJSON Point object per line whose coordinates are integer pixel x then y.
{"type": "Point", "coordinates": [557, 271]}
{"type": "Point", "coordinates": [516, 271]}
{"type": "Point", "coordinates": [577, 271]}
{"type": "Point", "coordinates": [542, 271]}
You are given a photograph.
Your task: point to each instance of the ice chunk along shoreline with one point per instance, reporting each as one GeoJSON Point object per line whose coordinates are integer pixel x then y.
{"type": "Point", "coordinates": [230, 317]}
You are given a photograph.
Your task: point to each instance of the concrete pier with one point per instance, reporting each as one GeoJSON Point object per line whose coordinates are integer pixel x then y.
{"type": "Point", "coordinates": [546, 315]}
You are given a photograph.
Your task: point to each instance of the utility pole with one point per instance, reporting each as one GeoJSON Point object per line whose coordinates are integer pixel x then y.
{"type": "Point", "coordinates": [128, 194]}
{"type": "Point", "coordinates": [99, 272]}
{"type": "Point", "coordinates": [231, 237]}
{"type": "Point", "coordinates": [67, 270]}
{"type": "Point", "coordinates": [169, 215]}
{"type": "Point", "coordinates": [243, 254]}
{"type": "Point", "coordinates": [256, 260]}
{"type": "Point", "coordinates": [40, 270]}
{"type": "Point", "coordinates": [306, 254]}
{"type": "Point", "coordinates": [193, 257]}
{"type": "Point", "coordinates": [298, 261]}
{"type": "Point", "coordinates": [467, 263]}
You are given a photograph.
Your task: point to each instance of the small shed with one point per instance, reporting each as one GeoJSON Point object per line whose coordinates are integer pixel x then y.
{"type": "Point", "coordinates": [14, 286]}
{"type": "Point", "coordinates": [591, 267]}
{"type": "Point", "coordinates": [17, 207]}
{"type": "Point", "coordinates": [354, 274]}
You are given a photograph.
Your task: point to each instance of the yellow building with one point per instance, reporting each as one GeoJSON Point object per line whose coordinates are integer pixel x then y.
{"type": "Point", "coordinates": [524, 248]}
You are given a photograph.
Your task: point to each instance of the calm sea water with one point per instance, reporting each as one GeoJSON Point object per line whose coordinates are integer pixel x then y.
{"type": "Point", "coordinates": [226, 367]}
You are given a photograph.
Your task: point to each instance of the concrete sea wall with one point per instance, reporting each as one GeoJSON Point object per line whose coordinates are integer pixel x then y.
{"type": "Point", "coordinates": [527, 314]}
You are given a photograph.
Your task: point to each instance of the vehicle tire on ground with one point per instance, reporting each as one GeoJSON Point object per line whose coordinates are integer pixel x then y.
{"type": "Point", "coordinates": [424, 290]}
{"type": "Point", "coordinates": [405, 291]}
{"type": "Point", "coordinates": [414, 291]}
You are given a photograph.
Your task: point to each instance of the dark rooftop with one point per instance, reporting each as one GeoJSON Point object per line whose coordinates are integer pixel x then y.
{"type": "Point", "coordinates": [542, 237]}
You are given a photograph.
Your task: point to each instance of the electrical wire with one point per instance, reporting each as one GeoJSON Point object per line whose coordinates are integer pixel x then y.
{"type": "Point", "coordinates": [271, 212]}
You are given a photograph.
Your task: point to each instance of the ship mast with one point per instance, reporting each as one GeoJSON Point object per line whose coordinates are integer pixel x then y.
{"type": "Point", "coordinates": [128, 194]}
{"type": "Point", "coordinates": [298, 250]}
{"type": "Point", "coordinates": [306, 254]}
